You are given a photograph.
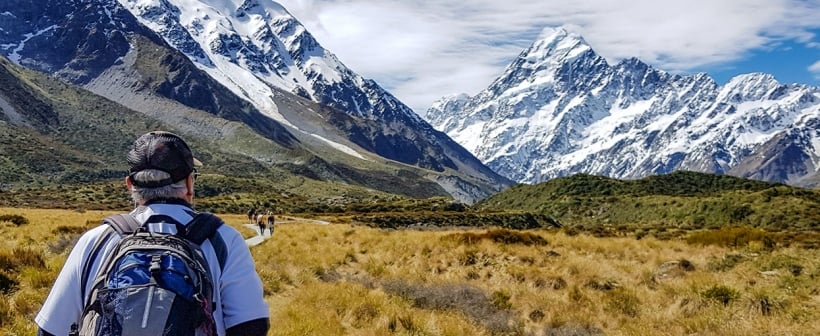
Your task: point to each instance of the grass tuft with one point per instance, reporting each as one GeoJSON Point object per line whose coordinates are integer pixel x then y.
{"type": "Point", "coordinates": [722, 294]}
{"type": "Point", "coordinates": [500, 236]}
{"type": "Point", "coordinates": [730, 237]}
{"type": "Point", "coordinates": [8, 283]}
{"type": "Point", "coordinates": [726, 263]}
{"type": "Point", "coordinates": [14, 219]}
{"type": "Point", "coordinates": [467, 299]}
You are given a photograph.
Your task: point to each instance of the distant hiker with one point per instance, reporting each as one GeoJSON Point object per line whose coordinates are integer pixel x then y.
{"type": "Point", "coordinates": [124, 277]}
{"type": "Point", "coordinates": [251, 213]}
{"type": "Point", "coordinates": [271, 221]}
{"type": "Point", "coordinates": [261, 222]}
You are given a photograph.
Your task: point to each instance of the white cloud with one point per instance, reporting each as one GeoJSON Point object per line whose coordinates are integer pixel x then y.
{"type": "Point", "coordinates": [422, 50]}
{"type": "Point", "coordinates": [815, 69]}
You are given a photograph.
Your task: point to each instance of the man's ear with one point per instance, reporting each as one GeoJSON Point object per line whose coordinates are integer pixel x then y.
{"type": "Point", "coordinates": [189, 185]}
{"type": "Point", "coordinates": [128, 183]}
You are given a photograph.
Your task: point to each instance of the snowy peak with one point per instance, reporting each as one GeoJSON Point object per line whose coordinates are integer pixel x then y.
{"type": "Point", "coordinates": [560, 109]}
{"type": "Point", "coordinates": [554, 49]}
{"type": "Point", "coordinates": [444, 110]}
{"type": "Point", "coordinates": [241, 60]}
{"type": "Point", "coordinates": [753, 86]}
{"type": "Point", "coordinates": [554, 60]}
{"type": "Point", "coordinates": [259, 36]}
{"type": "Point", "coordinates": [253, 7]}
{"type": "Point", "coordinates": [255, 48]}
{"type": "Point", "coordinates": [557, 46]}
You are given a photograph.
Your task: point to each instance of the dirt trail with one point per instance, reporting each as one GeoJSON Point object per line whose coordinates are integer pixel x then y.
{"type": "Point", "coordinates": [258, 239]}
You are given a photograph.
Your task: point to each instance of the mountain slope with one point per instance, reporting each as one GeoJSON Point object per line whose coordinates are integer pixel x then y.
{"type": "Point", "coordinates": [561, 109]}
{"type": "Point", "coordinates": [104, 47]}
{"type": "Point", "coordinates": [55, 133]}
{"type": "Point", "coordinates": [256, 48]}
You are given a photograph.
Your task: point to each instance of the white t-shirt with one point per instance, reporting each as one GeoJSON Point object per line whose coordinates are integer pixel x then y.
{"type": "Point", "coordinates": [238, 289]}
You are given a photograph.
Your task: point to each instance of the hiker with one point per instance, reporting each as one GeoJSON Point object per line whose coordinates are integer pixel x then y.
{"type": "Point", "coordinates": [161, 182]}
{"type": "Point", "coordinates": [261, 222]}
{"type": "Point", "coordinates": [271, 221]}
{"type": "Point", "coordinates": [251, 214]}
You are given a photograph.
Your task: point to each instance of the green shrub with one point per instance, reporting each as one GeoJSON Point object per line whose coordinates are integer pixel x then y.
{"type": "Point", "coordinates": [722, 294]}
{"type": "Point", "coordinates": [501, 300]}
{"type": "Point", "coordinates": [7, 262]}
{"type": "Point", "coordinates": [498, 236]}
{"type": "Point", "coordinates": [511, 220]}
{"type": "Point", "coordinates": [623, 302]}
{"type": "Point", "coordinates": [8, 283]}
{"type": "Point", "coordinates": [729, 237]}
{"type": "Point", "coordinates": [14, 219]}
{"type": "Point", "coordinates": [536, 315]}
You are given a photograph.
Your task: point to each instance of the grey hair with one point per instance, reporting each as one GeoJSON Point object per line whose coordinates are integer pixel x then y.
{"type": "Point", "coordinates": [138, 194]}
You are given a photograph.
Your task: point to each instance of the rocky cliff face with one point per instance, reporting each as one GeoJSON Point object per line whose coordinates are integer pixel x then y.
{"type": "Point", "coordinates": [252, 46]}
{"type": "Point", "coordinates": [245, 61]}
{"type": "Point", "coordinates": [561, 109]}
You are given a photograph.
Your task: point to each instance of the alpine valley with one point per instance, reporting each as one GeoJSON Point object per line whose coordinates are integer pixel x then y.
{"type": "Point", "coordinates": [244, 80]}
{"type": "Point", "coordinates": [259, 97]}
{"type": "Point", "coordinates": [561, 109]}
{"type": "Point", "coordinates": [385, 224]}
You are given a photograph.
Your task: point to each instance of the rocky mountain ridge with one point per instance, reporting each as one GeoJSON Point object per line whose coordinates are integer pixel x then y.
{"type": "Point", "coordinates": [561, 109]}
{"type": "Point", "coordinates": [246, 62]}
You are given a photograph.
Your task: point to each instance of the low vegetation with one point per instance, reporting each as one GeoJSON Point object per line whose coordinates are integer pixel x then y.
{"type": "Point", "coordinates": [685, 200]}
{"type": "Point", "coordinates": [351, 278]}
{"type": "Point", "coordinates": [222, 194]}
{"type": "Point", "coordinates": [446, 219]}
{"type": "Point", "coordinates": [680, 254]}
{"type": "Point", "coordinates": [460, 281]}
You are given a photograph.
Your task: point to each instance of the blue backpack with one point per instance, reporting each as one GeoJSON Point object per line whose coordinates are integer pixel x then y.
{"type": "Point", "coordinates": [152, 283]}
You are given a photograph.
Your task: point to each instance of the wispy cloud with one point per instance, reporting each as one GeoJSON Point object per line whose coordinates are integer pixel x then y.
{"type": "Point", "coordinates": [422, 50]}
{"type": "Point", "coordinates": [815, 69]}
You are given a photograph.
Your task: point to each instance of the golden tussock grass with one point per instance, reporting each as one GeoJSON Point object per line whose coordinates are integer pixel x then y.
{"type": "Point", "coordinates": [343, 279]}
{"type": "Point", "coordinates": [581, 284]}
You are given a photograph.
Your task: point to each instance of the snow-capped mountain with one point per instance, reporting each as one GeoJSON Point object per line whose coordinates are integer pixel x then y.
{"type": "Point", "coordinates": [253, 47]}
{"type": "Point", "coordinates": [561, 109]}
{"type": "Point", "coordinates": [244, 61]}
{"type": "Point", "coordinates": [248, 45]}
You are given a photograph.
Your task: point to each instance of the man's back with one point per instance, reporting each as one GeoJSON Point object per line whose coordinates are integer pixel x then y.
{"type": "Point", "coordinates": [238, 289]}
{"type": "Point", "coordinates": [161, 179]}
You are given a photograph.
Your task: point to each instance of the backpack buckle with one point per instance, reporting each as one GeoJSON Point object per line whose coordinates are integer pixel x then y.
{"type": "Point", "coordinates": [155, 264]}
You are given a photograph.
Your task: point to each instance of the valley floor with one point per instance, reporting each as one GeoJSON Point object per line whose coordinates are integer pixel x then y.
{"type": "Point", "coordinates": [349, 279]}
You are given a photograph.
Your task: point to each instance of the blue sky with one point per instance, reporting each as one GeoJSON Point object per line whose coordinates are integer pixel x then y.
{"type": "Point", "coordinates": [422, 50]}
{"type": "Point", "coordinates": [788, 61]}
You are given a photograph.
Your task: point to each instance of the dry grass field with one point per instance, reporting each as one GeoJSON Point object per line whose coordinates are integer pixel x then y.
{"type": "Point", "coordinates": [346, 279]}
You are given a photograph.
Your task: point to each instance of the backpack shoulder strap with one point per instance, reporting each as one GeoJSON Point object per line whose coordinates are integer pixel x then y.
{"type": "Point", "coordinates": [123, 223]}
{"type": "Point", "coordinates": [203, 227]}
{"type": "Point", "coordinates": [120, 224]}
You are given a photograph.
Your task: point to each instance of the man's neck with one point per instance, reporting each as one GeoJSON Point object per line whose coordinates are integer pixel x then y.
{"type": "Point", "coordinates": [170, 200]}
